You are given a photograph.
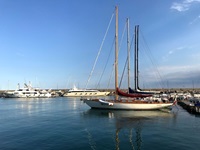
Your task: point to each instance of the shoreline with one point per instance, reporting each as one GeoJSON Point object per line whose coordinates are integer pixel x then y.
{"type": "Point", "coordinates": [112, 91]}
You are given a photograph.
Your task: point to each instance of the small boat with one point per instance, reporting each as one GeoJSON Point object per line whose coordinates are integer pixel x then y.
{"type": "Point", "coordinates": [75, 92]}
{"type": "Point", "coordinates": [27, 92]}
{"type": "Point", "coordinates": [122, 103]}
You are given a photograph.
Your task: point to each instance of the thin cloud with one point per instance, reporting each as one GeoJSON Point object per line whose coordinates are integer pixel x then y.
{"type": "Point", "coordinates": [195, 20]}
{"type": "Point", "coordinates": [170, 72]}
{"type": "Point", "coordinates": [171, 52]}
{"type": "Point", "coordinates": [174, 69]}
{"type": "Point", "coordinates": [177, 49]}
{"type": "Point", "coordinates": [180, 75]}
{"type": "Point", "coordinates": [180, 7]}
{"type": "Point", "coordinates": [172, 76]}
{"type": "Point", "coordinates": [184, 5]}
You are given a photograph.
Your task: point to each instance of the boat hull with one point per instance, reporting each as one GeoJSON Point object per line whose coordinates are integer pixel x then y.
{"type": "Point", "coordinates": [126, 106]}
{"type": "Point", "coordinates": [86, 94]}
{"type": "Point", "coordinates": [27, 96]}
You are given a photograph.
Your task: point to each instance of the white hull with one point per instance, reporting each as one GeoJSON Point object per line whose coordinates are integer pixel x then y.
{"type": "Point", "coordinates": [28, 92]}
{"type": "Point", "coordinates": [126, 106]}
{"type": "Point", "coordinates": [27, 95]}
{"type": "Point", "coordinates": [86, 94]}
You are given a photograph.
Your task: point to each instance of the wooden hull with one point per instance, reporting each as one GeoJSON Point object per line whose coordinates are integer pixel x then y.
{"type": "Point", "coordinates": [135, 105]}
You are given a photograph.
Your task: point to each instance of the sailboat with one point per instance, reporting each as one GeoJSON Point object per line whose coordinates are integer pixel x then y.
{"type": "Point", "coordinates": [124, 103]}
{"type": "Point", "coordinates": [137, 92]}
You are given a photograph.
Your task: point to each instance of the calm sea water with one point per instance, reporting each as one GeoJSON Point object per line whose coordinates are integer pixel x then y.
{"type": "Point", "coordinates": [68, 124]}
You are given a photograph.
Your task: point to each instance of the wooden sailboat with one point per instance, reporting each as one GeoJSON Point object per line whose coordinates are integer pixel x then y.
{"type": "Point", "coordinates": [128, 103]}
{"type": "Point", "coordinates": [137, 92]}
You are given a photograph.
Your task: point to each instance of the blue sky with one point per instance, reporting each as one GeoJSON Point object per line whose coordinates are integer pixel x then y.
{"type": "Point", "coordinates": [54, 43]}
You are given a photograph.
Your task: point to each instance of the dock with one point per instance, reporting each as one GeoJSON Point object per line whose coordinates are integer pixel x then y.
{"type": "Point", "coordinates": [192, 106]}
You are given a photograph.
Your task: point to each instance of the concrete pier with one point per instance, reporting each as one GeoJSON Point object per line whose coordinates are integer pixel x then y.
{"type": "Point", "coordinates": [190, 105]}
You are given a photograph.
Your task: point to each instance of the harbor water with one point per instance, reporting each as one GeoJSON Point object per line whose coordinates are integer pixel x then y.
{"type": "Point", "coordinates": [68, 124]}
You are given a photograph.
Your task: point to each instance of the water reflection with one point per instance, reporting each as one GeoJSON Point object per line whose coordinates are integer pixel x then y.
{"type": "Point", "coordinates": [131, 124]}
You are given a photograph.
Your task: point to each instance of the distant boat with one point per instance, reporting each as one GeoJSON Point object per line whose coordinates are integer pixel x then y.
{"type": "Point", "coordinates": [75, 92]}
{"type": "Point", "coordinates": [27, 92]}
{"type": "Point", "coordinates": [138, 103]}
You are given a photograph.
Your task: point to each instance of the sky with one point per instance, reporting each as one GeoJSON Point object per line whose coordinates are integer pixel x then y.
{"type": "Point", "coordinates": [55, 43]}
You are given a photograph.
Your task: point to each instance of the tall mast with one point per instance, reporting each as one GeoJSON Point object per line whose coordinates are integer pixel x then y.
{"type": "Point", "coordinates": [128, 51]}
{"type": "Point", "coordinates": [136, 57]}
{"type": "Point", "coordinates": [116, 51]}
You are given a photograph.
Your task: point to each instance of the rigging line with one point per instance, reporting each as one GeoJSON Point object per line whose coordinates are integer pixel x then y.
{"type": "Point", "coordinates": [151, 58]}
{"type": "Point", "coordinates": [146, 53]}
{"type": "Point", "coordinates": [106, 62]}
{"type": "Point", "coordinates": [161, 82]}
{"type": "Point", "coordinates": [123, 72]}
{"type": "Point", "coordinates": [154, 71]}
{"type": "Point", "coordinates": [111, 75]}
{"type": "Point", "coordinates": [125, 64]}
{"type": "Point", "coordinates": [120, 44]}
{"type": "Point", "coordinates": [99, 51]}
{"type": "Point", "coordinates": [119, 50]}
